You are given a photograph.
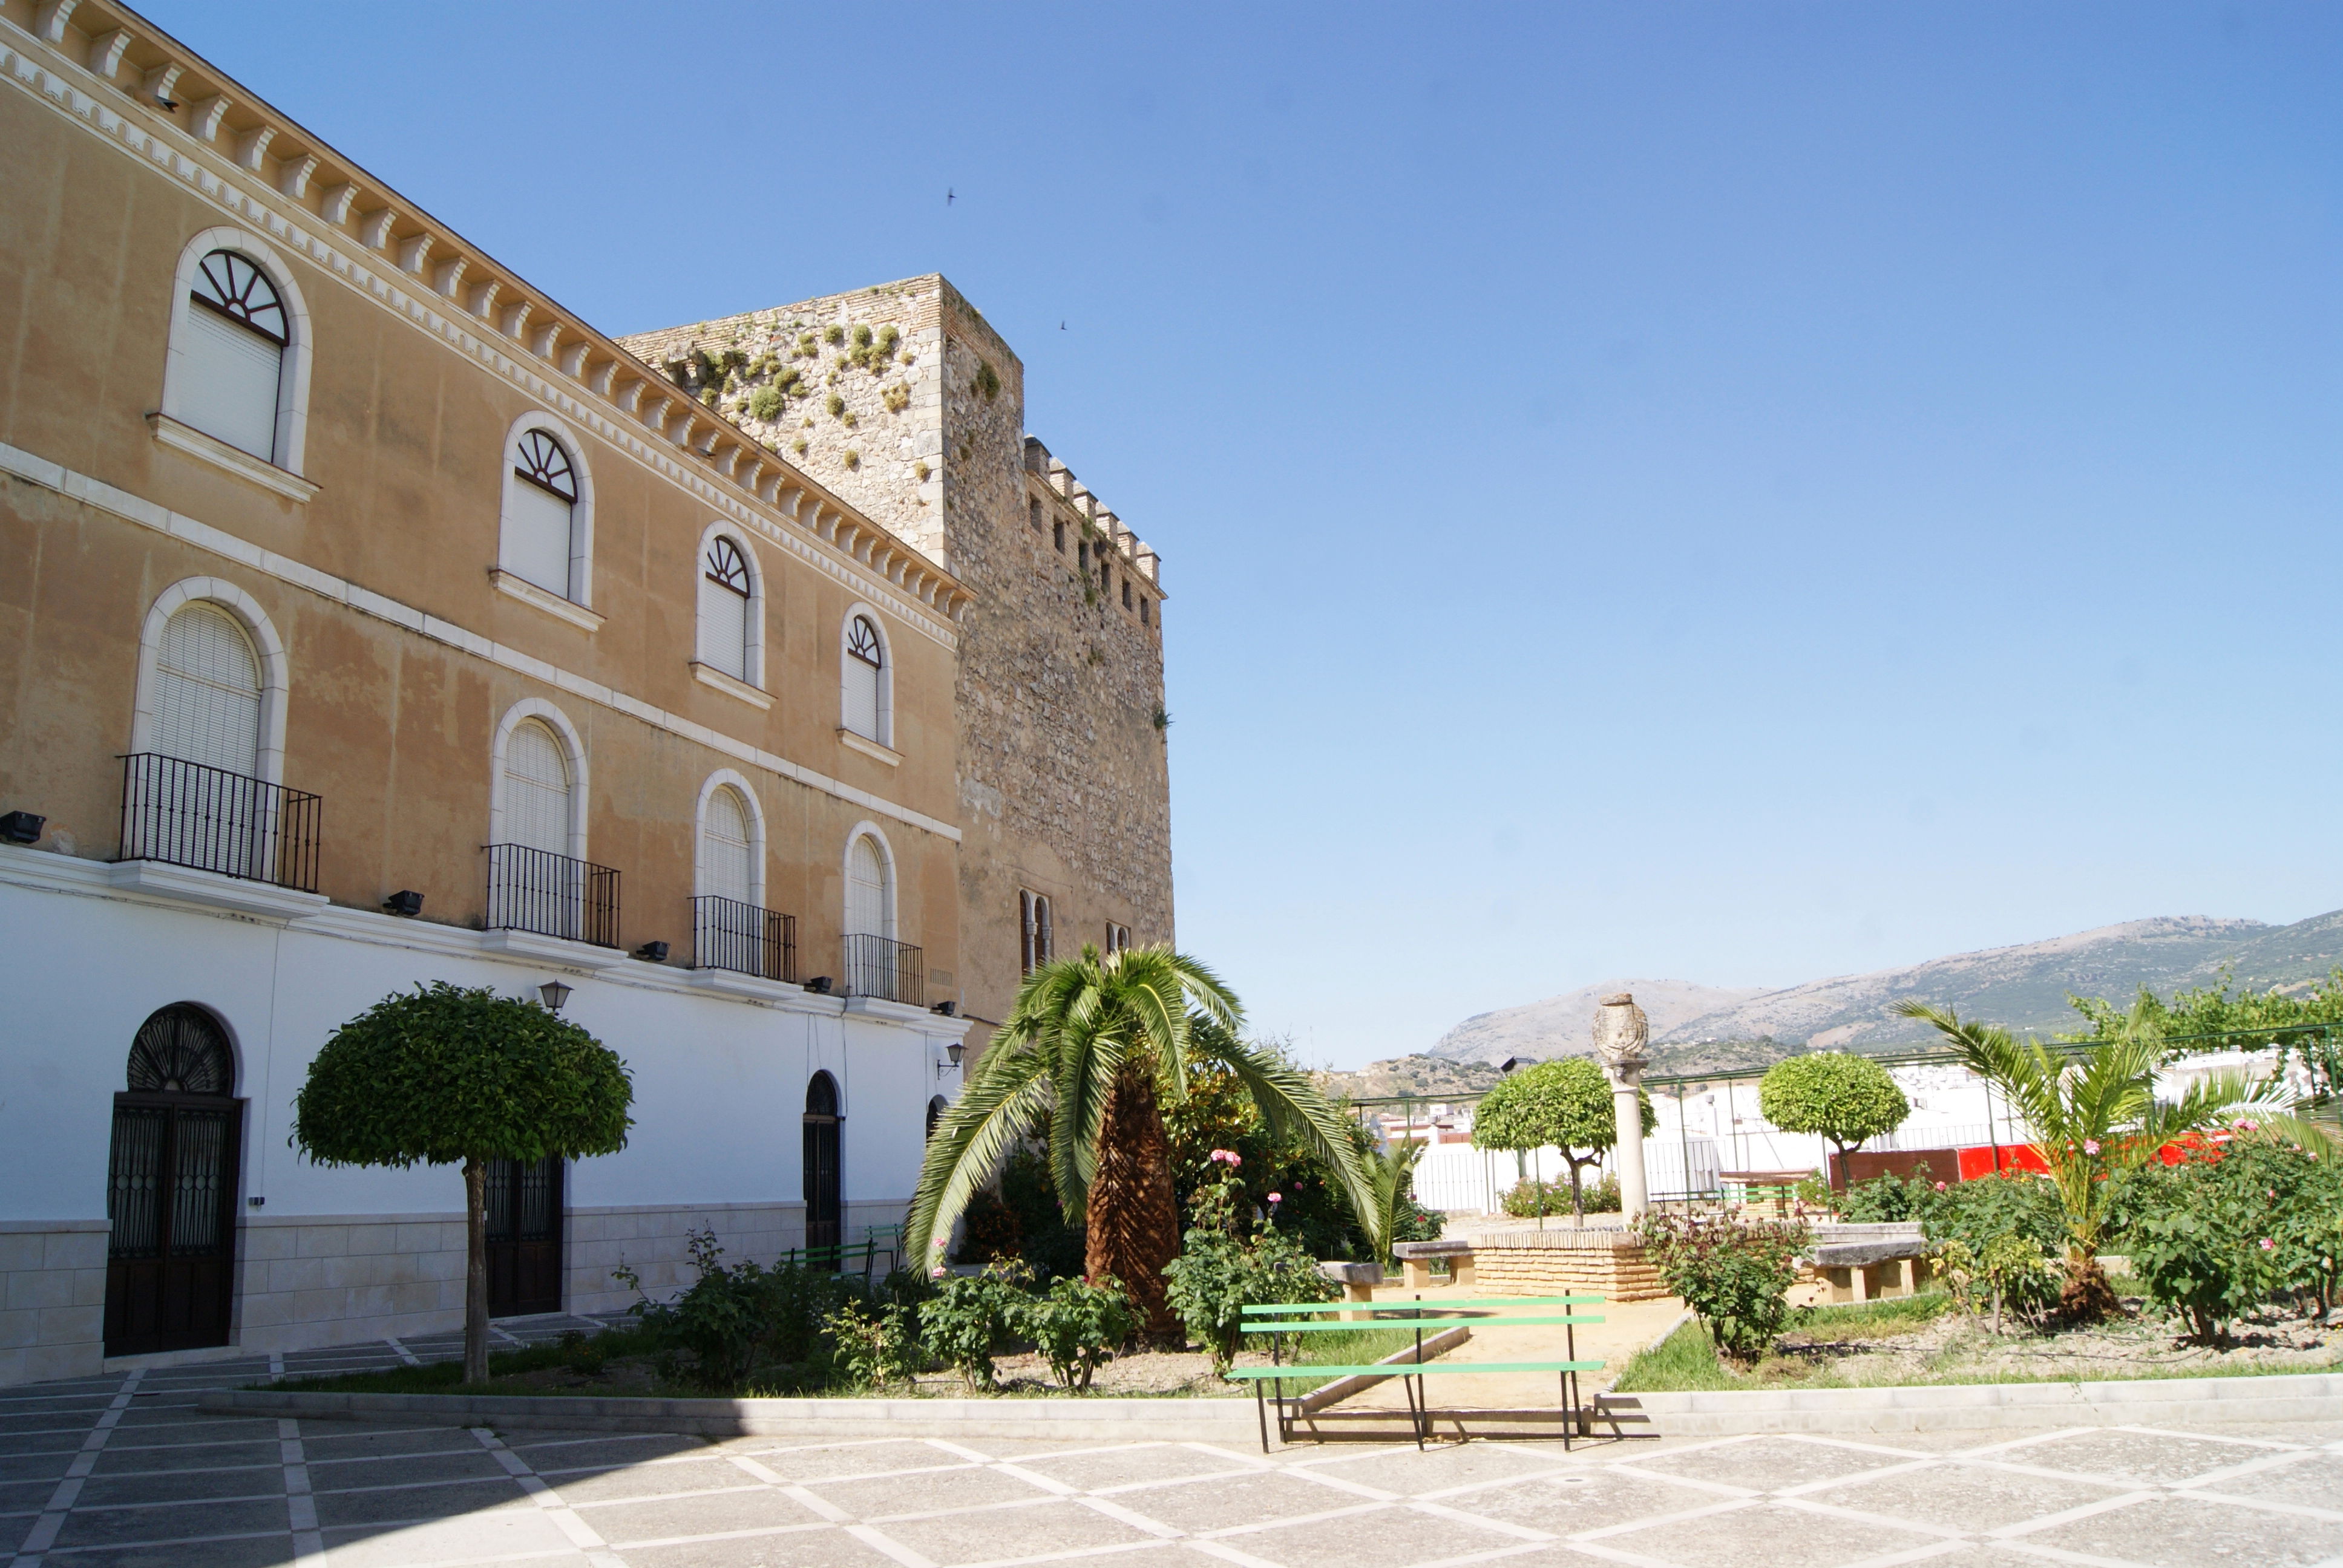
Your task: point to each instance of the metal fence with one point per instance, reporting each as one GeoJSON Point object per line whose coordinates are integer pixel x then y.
{"type": "Point", "coordinates": [892, 970]}
{"type": "Point", "coordinates": [727, 934]}
{"type": "Point", "coordinates": [188, 814]}
{"type": "Point", "coordinates": [1459, 1177]}
{"type": "Point", "coordinates": [552, 895]}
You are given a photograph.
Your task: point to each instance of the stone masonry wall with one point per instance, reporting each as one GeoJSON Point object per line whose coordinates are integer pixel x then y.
{"type": "Point", "coordinates": [1519, 1263]}
{"type": "Point", "coordinates": [903, 400]}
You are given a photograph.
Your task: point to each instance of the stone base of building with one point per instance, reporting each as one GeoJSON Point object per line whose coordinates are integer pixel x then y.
{"type": "Point", "coordinates": [52, 1299]}
{"type": "Point", "coordinates": [1565, 1262]}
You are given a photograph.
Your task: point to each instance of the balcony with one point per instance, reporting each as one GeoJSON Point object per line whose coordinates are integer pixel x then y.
{"type": "Point", "coordinates": [552, 895]}
{"type": "Point", "coordinates": [890, 970]}
{"type": "Point", "coordinates": [184, 813]}
{"type": "Point", "coordinates": [727, 934]}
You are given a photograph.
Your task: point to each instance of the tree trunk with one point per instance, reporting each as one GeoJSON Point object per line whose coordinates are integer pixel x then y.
{"type": "Point", "coordinates": [1577, 1195]}
{"type": "Point", "coordinates": [1132, 1218]}
{"type": "Point", "coordinates": [476, 1269]}
{"type": "Point", "coordinates": [2086, 1297]}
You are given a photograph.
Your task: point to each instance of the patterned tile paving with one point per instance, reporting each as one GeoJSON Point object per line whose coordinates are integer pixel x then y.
{"type": "Point", "coordinates": [125, 1471]}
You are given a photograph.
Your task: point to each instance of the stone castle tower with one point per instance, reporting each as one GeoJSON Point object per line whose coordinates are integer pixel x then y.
{"type": "Point", "coordinates": [902, 400]}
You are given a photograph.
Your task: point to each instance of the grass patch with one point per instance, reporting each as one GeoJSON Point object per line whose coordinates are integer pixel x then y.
{"type": "Point", "coordinates": [1883, 1317]}
{"type": "Point", "coordinates": [585, 1356]}
{"type": "Point", "coordinates": [1683, 1362]}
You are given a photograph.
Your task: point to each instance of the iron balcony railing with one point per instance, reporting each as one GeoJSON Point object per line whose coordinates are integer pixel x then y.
{"type": "Point", "coordinates": [214, 820]}
{"type": "Point", "coordinates": [552, 895]}
{"type": "Point", "coordinates": [891, 970]}
{"type": "Point", "coordinates": [727, 934]}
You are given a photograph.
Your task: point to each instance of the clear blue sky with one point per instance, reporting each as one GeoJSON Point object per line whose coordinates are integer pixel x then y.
{"type": "Point", "coordinates": [1737, 492]}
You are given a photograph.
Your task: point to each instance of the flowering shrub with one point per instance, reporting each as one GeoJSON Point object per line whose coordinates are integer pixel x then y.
{"type": "Point", "coordinates": [2225, 1229]}
{"type": "Point", "coordinates": [1077, 1325]}
{"type": "Point", "coordinates": [1737, 1276]}
{"type": "Point", "coordinates": [970, 1317]}
{"type": "Point", "coordinates": [1220, 1271]}
{"type": "Point", "coordinates": [877, 1345]}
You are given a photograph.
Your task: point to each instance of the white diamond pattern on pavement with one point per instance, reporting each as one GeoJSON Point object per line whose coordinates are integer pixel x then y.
{"type": "Point", "coordinates": [125, 1471]}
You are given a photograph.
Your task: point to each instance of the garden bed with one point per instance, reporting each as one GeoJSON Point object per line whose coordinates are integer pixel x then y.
{"type": "Point", "coordinates": [1922, 1341]}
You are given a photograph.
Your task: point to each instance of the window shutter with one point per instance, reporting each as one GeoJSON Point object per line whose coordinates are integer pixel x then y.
{"type": "Point", "coordinates": [1025, 931]}
{"type": "Point", "coordinates": [866, 890]}
{"type": "Point", "coordinates": [862, 698]}
{"type": "Point", "coordinates": [726, 850]}
{"type": "Point", "coordinates": [537, 790]}
{"type": "Point", "coordinates": [535, 542]}
{"type": "Point", "coordinates": [724, 628]}
{"type": "Point", "coordinates": [230, 387]}
{"type": "Point", "coordinates": [1042, 938]}
{"type": "Point", "coordinates": [207, 692]}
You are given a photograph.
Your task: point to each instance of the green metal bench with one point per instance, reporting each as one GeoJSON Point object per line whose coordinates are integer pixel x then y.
{"type": "Point", "coordinates": [1278, 1319]}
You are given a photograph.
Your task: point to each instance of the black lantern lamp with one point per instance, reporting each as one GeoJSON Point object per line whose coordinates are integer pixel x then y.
{"type": "Point", "coordinates": [554, 993]}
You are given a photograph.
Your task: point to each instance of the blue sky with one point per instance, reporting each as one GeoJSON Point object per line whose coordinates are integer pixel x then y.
{"type": "Point", "coordinates": [1738, 492]}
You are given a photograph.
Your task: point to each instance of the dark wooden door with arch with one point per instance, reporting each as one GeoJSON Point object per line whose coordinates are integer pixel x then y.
{"type": "Point", "coordinates": [824, 1222]}
{"type": "Point", "coordinates": [171, 1189]}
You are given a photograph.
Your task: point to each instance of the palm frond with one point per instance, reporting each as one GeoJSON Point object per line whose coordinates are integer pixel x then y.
{"type": "Point", "coordinates": [1288, 1101]}
{"type": "Point", "coordinates": [1008, 1095]}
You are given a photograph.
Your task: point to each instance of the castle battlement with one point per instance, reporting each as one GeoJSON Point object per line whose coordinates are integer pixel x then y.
{"type": "Point", "coordinates": [1059, 481]}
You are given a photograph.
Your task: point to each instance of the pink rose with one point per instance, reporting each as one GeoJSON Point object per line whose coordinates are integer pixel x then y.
{"type": "Point", "coordinates": [2090, 1146]}
{"type": "Point", "coordinates": [936, 1272]}
{"type": "Point", "coordinates": [1940, 1186]}
{"type": "Point", "coordinates": [2269, 1245]}
{"type": "Point", "coordinates": [1277, 1197]}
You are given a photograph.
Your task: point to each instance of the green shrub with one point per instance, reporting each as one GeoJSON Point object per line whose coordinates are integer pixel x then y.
{"type": "Point", "coordinates": [1219, 1272]}
{"type": "Point", "coordinates": [1844, 1098]}
{"type": "Point", "coordinates": [836, 405]}
{"type": "Point", "coordinates": [766, 403]}
{"type": "Point", "coordinates": [2226, 1230]}
{"type": "Point", "coordinates": [876, 1345]}
{"type": "Point", "coordinates": [969, 1318]}
{"type": "Point", "coordinates": [1975, 1212]}
{"type": "Point", "coordinates": [1534, 1199]}
{"type": "Point", "coordinates": [737, 1318]}
{"type": "Point", "coordinates": [1737, 1276]}
{"type": "Point", "coordinates": [1077, 1325]}
{"type": "Point", "coordinates": [2011, 1271]}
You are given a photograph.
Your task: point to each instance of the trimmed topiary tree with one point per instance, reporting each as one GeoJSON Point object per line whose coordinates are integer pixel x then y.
{"type": "Point", "coordinates": [1843, 1098]}
{"type": "Point", "coordinates": [1565, 1102]}
{"type": "Point", "coordinates": [444, 1076]}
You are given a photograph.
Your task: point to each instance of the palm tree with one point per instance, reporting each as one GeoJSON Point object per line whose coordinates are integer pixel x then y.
{"type": "Point", "coordinates": [2095, 1115]}
{"type": "Point", "coordinates": [1093, 1049]}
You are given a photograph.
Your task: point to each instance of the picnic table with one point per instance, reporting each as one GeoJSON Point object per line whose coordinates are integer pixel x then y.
{"type": "Point", "coordinates": [1277, 1319]}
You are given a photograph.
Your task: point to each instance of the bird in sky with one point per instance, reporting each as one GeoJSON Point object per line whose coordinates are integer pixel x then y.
{"type": "Point", "coordinates": [947, 195]}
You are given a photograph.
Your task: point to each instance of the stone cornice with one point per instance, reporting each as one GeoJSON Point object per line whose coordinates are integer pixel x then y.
{"type": "Point", "coordinates": [110, 69]}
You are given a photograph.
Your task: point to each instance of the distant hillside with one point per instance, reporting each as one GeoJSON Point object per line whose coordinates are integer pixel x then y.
{"type": "Point", "coordinates": [1697, 1028]}
{"type": "Point", "coordinates": [1428, 1077]}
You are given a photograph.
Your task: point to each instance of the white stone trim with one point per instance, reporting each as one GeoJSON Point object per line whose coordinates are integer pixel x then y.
{"type": "Point", "coordinates": [753, 652]}
{"type": "Point", "coordinates": [293, 385]}
{"type": "Point", "coordinates": [211, 449]}
{"type": "Point", "coordinates": [573, 752]}
{"type": "Point", "coordinates": [867, 828]}
{"type": "Point", "coordinates": [581, 510]}
{"type": "Point", "coordinates": [217, 183]}
{"type": "Point", "coordinates": [724, 777]}
{"type": "Point", "coordinates": [518, 587]}
{"type": "Point", "coordinates": [709, 676]}
{"type": "Point", "coordinates": [120, 503]}
{"type": "Point", "coordinates": [853, 742]}
{"type": "Point", "coordinates": [886, 736]}
{"type": "Point", "coordinates": [275, 670]}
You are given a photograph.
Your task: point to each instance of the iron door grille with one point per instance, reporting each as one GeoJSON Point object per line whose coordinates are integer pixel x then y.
{"type": "Point", "coordinates": [524, 1226]}
{"type": "Point", "coordinates": [170, 1202]}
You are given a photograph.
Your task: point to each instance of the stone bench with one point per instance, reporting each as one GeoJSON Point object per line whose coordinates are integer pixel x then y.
{"type": "Point", "coordinates": [1870, 1263]}
{"type": "Point", "coordinates": [1358, 1281]}
{"type": "Point", "coordinates": [1416, 1260]}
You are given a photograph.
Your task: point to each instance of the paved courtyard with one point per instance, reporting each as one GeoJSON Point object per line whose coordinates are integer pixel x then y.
{"type": "Point", "coordinates": [123, 1470]}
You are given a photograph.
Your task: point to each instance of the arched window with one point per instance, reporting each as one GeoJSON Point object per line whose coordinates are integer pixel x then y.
{"type": "Point", "coordinates": [936, 1109]}
{"type": "Point", "coordinates": [171, 1188]}
{"type": "Point", "coordinates": [822, 1199]}
{"type": "Point", "coordinates": [232, 361]}
{"type": "Point", "coordinates": [540, 537]}
{"type": "Point", "coordinates": [1034, 941]}
{"type": "Point", "coordinates": [537, 807]}
{"type": "Point", "coordinates": [727, 593]}
{"type": "Point", "coordinates": [207, 703]}
{"type": "Point", "coordinates": [727, 848]}
{"type": "Point", "coordinates": [869, 900]}
{"type": "Point", "coordinates": [865, 680]}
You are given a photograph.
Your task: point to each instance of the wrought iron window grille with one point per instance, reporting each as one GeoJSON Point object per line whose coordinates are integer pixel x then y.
{"type": "Point", "coordinates": [887, 970]}
{"type": "Point", "coordinates": [188, 814]}
{"type": "Point", "coordinates": [552, 895]}
{"type": "Point", "coordinates": [727, 934]}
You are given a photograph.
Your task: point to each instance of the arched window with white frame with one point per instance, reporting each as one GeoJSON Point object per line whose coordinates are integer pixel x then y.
{"type": "Point", "coordinates": [233, 354]}
{"type": "Point", "coordinates": [869, 889]}
{"type": "Point", "coordinates": [729, 643]}
{"type": "Point", "coordinates": [208, 691]}
{"type": "Point", "coordinates": [728, 866]}
{"type": "Point", "coordinates": [537, 789]}
{"type": "Point", "coordinates": [539, 878]}
{"type": "Point", "coordinates": [539, 539]}
{"type": "Point", "coordinates": [866, 680]}
{"type": "Point", "coordinates": [732, 929]}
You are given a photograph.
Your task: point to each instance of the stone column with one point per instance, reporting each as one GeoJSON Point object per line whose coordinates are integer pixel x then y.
{"type": "Point", "coordinates": [1620, 1034]}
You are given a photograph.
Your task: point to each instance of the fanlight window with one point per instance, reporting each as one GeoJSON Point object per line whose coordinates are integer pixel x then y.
{"type": "Point", "coordinates": [865, 661]}
{"type": "Point", "coordinates": [725, 599]}
{"type": "Point", "coordinates": [181, 1049]}
{"type": "Point", "coordinates": [232, 359]}
{"type": "Point", "coordinates": [539, 513]}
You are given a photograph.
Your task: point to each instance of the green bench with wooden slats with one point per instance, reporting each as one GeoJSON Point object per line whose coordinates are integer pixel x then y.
{"type": "Point", "coordinates": [1277, 1319]}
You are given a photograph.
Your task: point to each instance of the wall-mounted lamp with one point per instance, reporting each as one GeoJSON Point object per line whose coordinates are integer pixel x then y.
{"type": "Point", "coordinates": [654, 951]}
{"type": "Point", "coordinates": [818, 985]}
{"type": "Point", "coordinates": [946, 1007]}
{"type": "Point", "coordinates": [951, 1057]}
{"type": "Point", "coordinates": [406, 902]}
{"type": "Point", "coordinates": [554, 994]}
{"type": "Point", "coordinates": [21, 827]}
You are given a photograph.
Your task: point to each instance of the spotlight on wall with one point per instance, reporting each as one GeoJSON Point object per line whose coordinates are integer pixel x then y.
{"type": "Point", "coordinates": [946, 1007]}
{"type": "Point", "coordinates": [818, 985]}
{"type": "Point", "coordinates": [1507, 1065]}
{"type": "Point", "coordinates": [655, 951]}
{"type": "Point", "coordinates": [21, 827]}
{"type": "Point", "coordinates": [406, 901]}
{"type": "Point", "coordinates": [554, 994]}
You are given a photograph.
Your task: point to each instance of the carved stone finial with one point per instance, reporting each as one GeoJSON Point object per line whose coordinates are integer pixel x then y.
{"type": "Point", "coordinates": [1621, 1034]}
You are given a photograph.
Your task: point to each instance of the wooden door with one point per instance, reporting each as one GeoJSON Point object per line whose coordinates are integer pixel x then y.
{"type": "Point", "coordinates": [170, 1201]}
{"type": "Point", "coordinates": [524, 1203]}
